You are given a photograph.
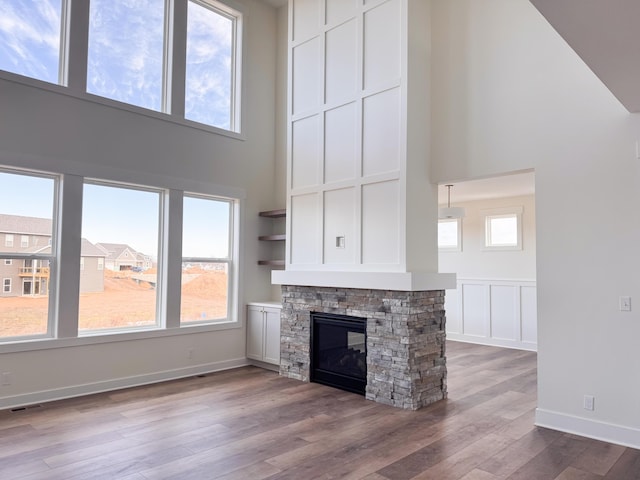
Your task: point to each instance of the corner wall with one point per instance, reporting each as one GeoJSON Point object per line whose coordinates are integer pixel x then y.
{"type": "Point", "coordinates": [509, 94]}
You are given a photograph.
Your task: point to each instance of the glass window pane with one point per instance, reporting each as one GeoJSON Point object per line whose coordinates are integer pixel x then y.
{"type": "Point", "coordinates": [30, 38]}
{"type": "Point", "coordinates": [504, 230]}
{"type": "Point", "coordinates": [205, 228]}
{"type": "Point", "coordinates": [119, 251]}
{"type": "Point", "coordinates": [448, 233]}
{"type": "Point", "coordinates": [209, 68]}
{"type": "Point", "coordinates": [26, 209]}
{"type": "Point", "coordinates": [126, 48]}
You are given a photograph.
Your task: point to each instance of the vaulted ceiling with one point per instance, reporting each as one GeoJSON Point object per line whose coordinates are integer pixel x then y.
{"type": "Point", "coordinates": [606, 35]}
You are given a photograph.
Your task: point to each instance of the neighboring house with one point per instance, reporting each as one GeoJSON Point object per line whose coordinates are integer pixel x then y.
{"type": "Point", "coordinates": [120, 256]}
{"type": "Point", "coordinates": [24, 235]}
{"type": "Point", "coordinates": [91, 268]}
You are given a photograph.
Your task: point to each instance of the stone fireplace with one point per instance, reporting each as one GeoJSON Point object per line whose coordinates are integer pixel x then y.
{"type": "Point", "coordinates": [405, 339]}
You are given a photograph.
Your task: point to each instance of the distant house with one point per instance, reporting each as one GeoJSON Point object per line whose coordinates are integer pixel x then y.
{"type": "Point", "coordinates": [120, 256]}
{"type": "Point", "coordinates": [20, 276]}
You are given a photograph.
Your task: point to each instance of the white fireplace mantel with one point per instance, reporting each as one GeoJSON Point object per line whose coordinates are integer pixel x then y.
{"type": "Point", "coordinates": [402, 281]}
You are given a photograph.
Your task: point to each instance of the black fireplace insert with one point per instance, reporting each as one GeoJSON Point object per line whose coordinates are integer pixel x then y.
{"type": "Point", "coordinates": [339, 351]}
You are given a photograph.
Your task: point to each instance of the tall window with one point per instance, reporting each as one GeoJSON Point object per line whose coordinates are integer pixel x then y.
{"type": "Point", "coordinates": [118, 222]}
{"type": "Point", "coordinates": [126, 50]}
{"type": "Point", "coordinates": [31, 38]}
{"type": "Point", "coordinates": [210, 68]}
{"type": "Point", "coordinates": [206, 258]}
{"type": "Point", "coordinates": [8, 240]}
{"type": "Point", "coordinates": [26, 206]}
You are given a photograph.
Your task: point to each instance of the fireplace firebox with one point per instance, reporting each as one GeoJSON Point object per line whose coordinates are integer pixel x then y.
{"type": "Point", "coordinates": [339, 351]}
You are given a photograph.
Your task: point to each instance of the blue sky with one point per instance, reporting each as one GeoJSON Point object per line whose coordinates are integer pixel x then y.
{"type": "Point", "coordinates": [122, 215]}
{"type": "Point", "coordinates": [125, 60]}
{"type": "Point", "coordinates": [30, 38]}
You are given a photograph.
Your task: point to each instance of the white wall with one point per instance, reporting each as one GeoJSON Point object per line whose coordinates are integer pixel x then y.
{"type": "Point", "coordinates": [509, 94]}
{"type": "Point", "coordinates": [52, 131]}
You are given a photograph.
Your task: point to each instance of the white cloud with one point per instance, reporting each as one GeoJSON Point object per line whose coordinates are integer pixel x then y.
{"type": "Point", "coordinates": [30, 37]}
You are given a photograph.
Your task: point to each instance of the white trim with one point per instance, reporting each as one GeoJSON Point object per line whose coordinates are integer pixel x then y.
{"type": "Point", "coordinates": [603, 431]}
{"type": "Point", "coordinates": [125, 382]}
{"type": "Point", "coordinates": [492, 342]}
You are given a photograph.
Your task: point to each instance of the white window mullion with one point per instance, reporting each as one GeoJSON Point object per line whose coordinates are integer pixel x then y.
{"type": "Point", "coordinates": [68, 246]}
{"type": "Point", "coordinates": [178, 57]}
{"type": "Point", "coordinates": [172, 255]}
{"type": "Point", "coordinates": [75, 46]}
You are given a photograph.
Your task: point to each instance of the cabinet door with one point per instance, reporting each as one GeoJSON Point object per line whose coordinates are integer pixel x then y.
{"type": "Point", "coordinates": [272, 335]}
{"type": "Point", "coordinates": [255, 333]}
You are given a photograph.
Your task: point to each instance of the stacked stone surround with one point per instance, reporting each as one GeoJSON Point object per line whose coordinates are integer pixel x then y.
{"type": "Point", "coordinates": [406, 364]}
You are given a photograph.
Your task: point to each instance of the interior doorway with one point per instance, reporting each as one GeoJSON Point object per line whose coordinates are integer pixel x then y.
{"type": "Point", "coordinates": [492, 250]}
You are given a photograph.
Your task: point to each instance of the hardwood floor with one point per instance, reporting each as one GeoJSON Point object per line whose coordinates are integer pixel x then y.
{"type": "Point", "coordinates": [250, 423]}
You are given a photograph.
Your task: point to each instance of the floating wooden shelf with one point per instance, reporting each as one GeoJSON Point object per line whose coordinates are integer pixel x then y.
{"type": "Point", "coordinates": [273, 238]}
{"type": "Point", "coordinates": [280, 213]}
{"type": "Point", "coordinates": [272, 263]}
{"type": "Point", "coordinates": [274, 213]}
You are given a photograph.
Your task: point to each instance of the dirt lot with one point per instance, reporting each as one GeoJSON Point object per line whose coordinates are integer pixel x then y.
{"type": "Point", "coordinates": [123, 303]}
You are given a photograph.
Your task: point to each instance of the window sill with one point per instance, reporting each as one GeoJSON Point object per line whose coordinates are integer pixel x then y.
{"type": "Point", "coordinates": [94, 338]}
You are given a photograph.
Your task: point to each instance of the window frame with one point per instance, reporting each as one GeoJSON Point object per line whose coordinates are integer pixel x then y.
{"type": "Point", "coordinates": [229, 260]}
{"type": "Point", "coordinates": [236, 18]}
{"type": "Point", "coordinates": [5, 284]}
{"type": "Point", "coordinates": [499, 213]}
{"type": "Point", "coordinates": [52, 258]}
{"type": "Point", "coordinates": [458, 246]}
{"type": "Point", "coordinates": [159, 309]}
{"type": "Point", "coordinates": [64, 262]}
{"type": "Point", "coordinates": [9, 240]}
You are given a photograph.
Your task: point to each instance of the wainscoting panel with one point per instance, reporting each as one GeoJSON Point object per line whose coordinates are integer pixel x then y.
{"type": "Point", "coordinates": [493, 312]}
{"type": "Point", "coordinates": [474, 310]}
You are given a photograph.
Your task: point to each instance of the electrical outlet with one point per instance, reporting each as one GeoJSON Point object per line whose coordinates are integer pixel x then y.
{"type": "Point", "coordinates": [588, 402]}
{"type": "Point", "coordinates": [625, 304]}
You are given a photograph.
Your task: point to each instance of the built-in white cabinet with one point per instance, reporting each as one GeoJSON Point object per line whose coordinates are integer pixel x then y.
{"type": "Point", "coordinates": [263, 332]}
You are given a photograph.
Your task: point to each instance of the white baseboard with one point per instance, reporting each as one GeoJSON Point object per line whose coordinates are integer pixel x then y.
{"type": "Point", "coordinates": [606, 432]}
{"type": "Point", "coordinates": [492, 342]}
{"type": "Point", "coordinates": [117, 384]}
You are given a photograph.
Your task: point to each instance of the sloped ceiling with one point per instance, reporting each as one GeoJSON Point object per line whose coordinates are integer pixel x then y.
{"type": "Point", "coordinates": [606, 35]}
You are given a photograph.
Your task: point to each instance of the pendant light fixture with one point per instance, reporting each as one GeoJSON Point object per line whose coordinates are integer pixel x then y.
{"type": "Point", "coordinates": [449, 211]}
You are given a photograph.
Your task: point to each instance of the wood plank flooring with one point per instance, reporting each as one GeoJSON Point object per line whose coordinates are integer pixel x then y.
{"type": "Point", "coordinates": [252, 424]}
